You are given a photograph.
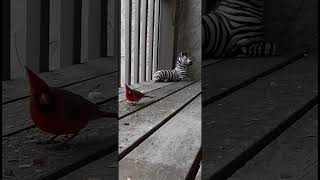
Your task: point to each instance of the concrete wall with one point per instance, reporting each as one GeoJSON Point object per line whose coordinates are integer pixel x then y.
{"type": "Point", "coordinates": [189, 33]}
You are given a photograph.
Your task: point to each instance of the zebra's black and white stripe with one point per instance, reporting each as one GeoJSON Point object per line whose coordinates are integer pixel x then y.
{"type": "Point", "coordinates": [234, 22]}
{"type": "Point", "coordinates": [180, 72]}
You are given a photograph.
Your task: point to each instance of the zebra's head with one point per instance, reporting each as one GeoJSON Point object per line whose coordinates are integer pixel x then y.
{"type": "Point", "coordinates": [183, 59]}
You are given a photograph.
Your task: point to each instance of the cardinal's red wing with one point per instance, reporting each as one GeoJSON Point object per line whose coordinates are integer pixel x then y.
{"type": "Point", "coordinates": [75, 107]}
{"type": "Point", "coordinates": [137, 93]}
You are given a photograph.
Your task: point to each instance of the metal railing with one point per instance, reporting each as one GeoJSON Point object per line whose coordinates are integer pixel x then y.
{"type": "Point", "coordinates": [52, 34]}
{"type": "Point", "coordinates": [139, 40]}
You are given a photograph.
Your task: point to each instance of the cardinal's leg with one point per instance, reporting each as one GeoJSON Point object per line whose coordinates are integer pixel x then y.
{"type": "Point", "coordinates": [71, 137]}
{"type": "Point", "coordinates": [64, 145]}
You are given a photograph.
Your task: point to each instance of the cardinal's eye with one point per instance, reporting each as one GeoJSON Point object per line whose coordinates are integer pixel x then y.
{"type": "Point", "coordinates": [44, 99]}
{"type": "Point", "coordinates": [44, 102]}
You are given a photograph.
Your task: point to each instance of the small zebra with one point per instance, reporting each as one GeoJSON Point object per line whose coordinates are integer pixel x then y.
{"type": "Point", "coordinates": [230, 24]}
{"type": "Point", "coordinates": [178, 73]}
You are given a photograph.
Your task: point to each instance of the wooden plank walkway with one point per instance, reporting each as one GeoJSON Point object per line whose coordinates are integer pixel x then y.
{"type": "Point", "coordinates": [294, 155]}
{"type": "Point", "coordinates": [248, 108]}
{"type": "Point", "coordinates": [22, 158]}
{"type": "Point", "coordinates": [251, 106]}
{"type": "Point", "coordinates": [143, 126]}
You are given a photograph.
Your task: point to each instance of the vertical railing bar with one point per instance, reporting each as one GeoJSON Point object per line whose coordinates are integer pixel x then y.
{"type": "Point", "coordinates": [104, 23]}
{"type": "Point", "coordinates": [66, 33]}
{"type": "Point", "coordinates": [136, 42]}
{"type": "Point", "coordinates": [77, 31]}
{"type": "Point", "coordinates": [33, 34]}
{"type": "Point", "coordinates": [5, 55]}
{"type": "Point", "coordinates": [166, 34]}
{"type": "Point", "coordinates": [143, 31]}
{"type": "Point", "coordinates": [44, 35]}
{"type": "Point", "coordinates": [150, 39]}
{"type": "Point", "coordinates": [115, 12]}
{"type": "Point", "coordinates": [111, 27]}
{"type": "Point", "coordinates": [156, 36]}
{"type": "Point", "coordinates": [128, 42]}
{"type": "Point", "coordinates": [91, 22]}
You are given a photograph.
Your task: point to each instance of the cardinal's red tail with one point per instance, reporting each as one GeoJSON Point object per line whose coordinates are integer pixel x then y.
{"type": "Point", "coordinates": [147, 96]}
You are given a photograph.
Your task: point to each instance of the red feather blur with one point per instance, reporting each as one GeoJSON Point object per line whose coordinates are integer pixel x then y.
{"type": "Point", "coordinates": [58, 111]}
{"type": "Point", "coordinates": [134, 95]}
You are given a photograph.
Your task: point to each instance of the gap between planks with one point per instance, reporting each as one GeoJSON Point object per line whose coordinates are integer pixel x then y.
{"type": "Point", "coordinates": [15, 117]}
{"type": "Point", "coordinates": [170, 152]}
{"type": "Point", "coordinates": [210, 99]}
{"type": "Point", "coordinates": [125, 109]}
{"type": "Point", "coordinates": [14, 90]}
{"type": "Point", "coordinates": [292, 155]}
{"type": "Point", "coordinates": [271, 100]}
{"type": "Point", "coordinates": [135, 128]}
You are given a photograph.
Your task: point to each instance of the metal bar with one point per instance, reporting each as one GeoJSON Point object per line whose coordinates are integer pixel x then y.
{"type": "Point", "coordinates": [127, 20]}
{"type": "Point", "coordinates": [136, 39]}
{"type": "Point", "coordinates": [77, 31]}
{"type": "Point", "coordinates": [143, 31]}
{"type": "Point", "coordinates": [5, 55]}
{"type": "Point", "coordinates": [150, 26]}
{"type": "Point", "coordinates": [156, 36]}
{"type": "Point", "coordinates": [104, 26]}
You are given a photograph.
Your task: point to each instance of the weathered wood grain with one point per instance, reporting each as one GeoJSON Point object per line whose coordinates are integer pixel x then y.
{"type": "Point", "coordinates": [235, 127]}
{"type": "Point", "coordinates": [134, 127]}
{"type": "Point", "coordinates": [228, 75]}
{"type": "Point", "coordinates": [293, 155]}
{"type": "Point", "coordinates": [125, 108]}
{"type": "Point", "coordinates": [210, 62]}
{"type": "Point", "coordinates": [198, 176]}
{"type": "Point", "coordinates": [17, 89]}
{"type": "Point", "coordinates": [105, 168]}
{"type": "Point", "coordinates": [28, 160]}
{"type": "Point", "coordinates": [170, 151]}
{"type": "Point", "coordinates": [15, 116]}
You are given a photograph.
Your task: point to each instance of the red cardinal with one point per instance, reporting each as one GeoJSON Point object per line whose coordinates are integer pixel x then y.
{"type": "Point", "coordinates": [60, 112]}
{"type": "Point", "coordinates": [134, 95]}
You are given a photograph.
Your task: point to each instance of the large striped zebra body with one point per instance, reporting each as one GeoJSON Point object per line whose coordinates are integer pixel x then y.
{"type": "Point", "coordinates": [180, 72]}
{"type": "Point", "coordinates": [233, 23]}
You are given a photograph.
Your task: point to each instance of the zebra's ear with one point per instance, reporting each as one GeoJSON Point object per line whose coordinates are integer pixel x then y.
{"type": "Point", "coordinates": [184, 53]}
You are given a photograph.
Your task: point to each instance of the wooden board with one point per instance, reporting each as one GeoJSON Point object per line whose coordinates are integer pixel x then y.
{"type": "Point", "coordinates": [210, 62]}
{"type": "Point", "coordinates": [28, 160]}
{"type": "Point", "coordinates": [17, 89]}
{"type": "Point", "coordinates": [169, 152]}
{"type": "Point", "coordinates": [15, 116]}
{"type": "Point", "coordinates": [137, 126]}
{"type": "Point", "coordinates": [125, 109]}
{"type": "Point", "coordinates": [198, 176]}
{"type": "Point", "coordinates": [220, 79]}
{"type": "Point", "coordinates": [104, 168]}
{"type": "Point", "coordinates": [293, 155]}
{"type": "Point", "coordinates": [235, 127]}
